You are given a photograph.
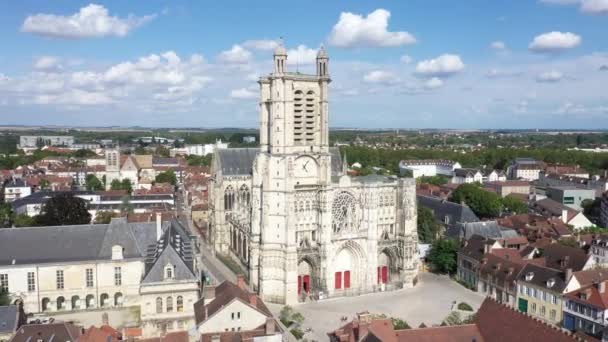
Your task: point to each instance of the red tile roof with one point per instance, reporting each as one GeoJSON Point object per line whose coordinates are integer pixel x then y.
{"type": "Point", "coordinates": [103, 334]}
{"type": "Point", "coordinates": [500, 323]}
{"type": "Point", "coordinates": [176, 336]}
{"type": "Point", "coordinates": [591, 294]}
{"type": "Point", "coordinates": [459, 333]}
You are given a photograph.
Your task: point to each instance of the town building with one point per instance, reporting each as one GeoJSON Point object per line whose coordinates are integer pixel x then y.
{"type": "Point", "coordinates": [289, 214]}
{"type": "Point", "coordinates": [495, 176]}
{"type": "Point", "coordinates": [486, 229]}
{"type": "Point", "coordinates": [551, 209]}
{"type": "Point", "coordinates": [540, 290]}
{"type": "Point", "coordinates": [16, 188]}
{"type": "Point", "coordinates": [428, 167]}
{"type": "Point", "coordinates": [49, 332]}
{"type": "Point", "coordinates": [448, 213]}
{"type": "Point", "coordinates": [463, 176]}
{"type": "Point", "coordinates": [598, 250]}
{"type": "Point", "coordinates": [570, 196]}
{"type": "Point", "coordinates": [599, 184]}
{"type": "Point", "coordinates": [198, 149]}
{"type": "Point", "coordinates": [150, 267]}
{"type": "Point", "coordinates": [525, 168]}
{"type": "Point", "coordinates": [230, 310]}
{"type": "Point", "coordinates": [493, 322]}
{"type": "Point", "coordinates": [37, 141]}
{"type": "Point", "coordinates": [249, 139]}
{"type": "Point", "coordinates": [505, 188]}
{"type": "Point", "coordinates": [604, 210]}
{"type": "Point", "coordinates": [567, 170]}
{"type": "Point", "coordinates": [586, 309]}
{"type": "Point", "coordinates": [469, 258]}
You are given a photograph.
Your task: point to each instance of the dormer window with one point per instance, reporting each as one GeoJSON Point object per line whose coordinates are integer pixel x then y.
{"type": "Point", "coordinates": [169, 272]}
{"type": "Point", "coordinates": [550, 283]}
{"type": "Point", "coordinates": [117, 252]}
{"type": "Point", "coordinates": [529, 276]}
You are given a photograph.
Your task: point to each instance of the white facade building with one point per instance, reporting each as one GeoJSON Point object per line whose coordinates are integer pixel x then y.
{"type": "Point", "coordinates": [16, 189]}
{"type": "Point", "coordinates": [86, 267]}
{"type": "Point", "coordinates": [289, 214]}
{"type": "Point", "coordinates": [199, 149]}
{"type": "Point", "coordinates": [463, 176]}
{"type": "Point", "coordinates": [33, 141]}
{"type": "Point", "coordinates": [429, 168]}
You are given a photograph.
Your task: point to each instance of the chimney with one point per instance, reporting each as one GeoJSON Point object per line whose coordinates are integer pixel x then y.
{"type": "Point", "coordinates": [240, 282]}
{"type": "Point", "coordinates": [601, 286]}
{"type": "Point", "coordinates": [568, 274]}
{"type": "Point", "coordinates": [253, 299]}
{"type": "Point", "coordinates": [159, 226]}
{"type": "Point", "coordinates": [269, 326]}
{"type": "Point", "coordinates": [487, 248]}
{"type": "Point", "coordinates": [565, 215]}
{"type": "Point", "coordinates": [511, 270]}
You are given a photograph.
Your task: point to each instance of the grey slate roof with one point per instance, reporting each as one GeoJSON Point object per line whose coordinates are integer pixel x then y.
{"type": "Point", "coordinates": [442, 208]}
{"type": "Point", "coordinates": [175, 248]}
{"type": "Point", "coordinates": [541, 275]}
{"type": "Point", "coordinates": [31, 245]}
{"type": "Point", "coordinates": [487, 229]}
{"type": "Point", "coordinates": [463, 172]}
{"type": "Point", "coordinates": [9, 318]}
{"type": "Point", "coordinates": [237, 161]}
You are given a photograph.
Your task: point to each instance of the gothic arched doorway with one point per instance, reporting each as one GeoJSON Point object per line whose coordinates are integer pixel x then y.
{"type": "Point", "coordinates": [304, 278]}
{"type": "Point", "coordinates": [384, 262]}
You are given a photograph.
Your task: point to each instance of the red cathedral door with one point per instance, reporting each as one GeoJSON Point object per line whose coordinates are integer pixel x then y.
{"type": "Point", "coordinates": [306, 283]}
{"type": "Point", "coordinates": [384, 274]}
{"type": "Point", "coordinates": [338, 280]}
{"type": "Point", "coordinates": [299, 284]}
{"type": "Point", "coordinates": [347, 279]}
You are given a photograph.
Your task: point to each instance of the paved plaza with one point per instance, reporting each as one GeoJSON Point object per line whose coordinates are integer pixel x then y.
{"type": "Point", "coordinates": [429, 302]}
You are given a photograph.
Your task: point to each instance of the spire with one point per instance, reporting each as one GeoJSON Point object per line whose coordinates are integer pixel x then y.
{"type": "Point", "coordinates": [322, 61]}
{"type": "Point", "coordinates": [344, 164]}
{"type": "Point", "coordinates": [280, 58]}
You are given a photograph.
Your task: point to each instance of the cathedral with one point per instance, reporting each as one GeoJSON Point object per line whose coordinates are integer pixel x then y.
{"type": "Point", "coordinates": [287, 212]}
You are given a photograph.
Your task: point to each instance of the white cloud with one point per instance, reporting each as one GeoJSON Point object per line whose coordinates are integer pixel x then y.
{"type": "Point", "coordinates": [595, 7]}
{"type": "Point", "coordinates": [91, 21]}
{"type": "Point", "coordinates": [498, 45]}
{"type": "Point", "coordinates": [381, 77]}
{"type": "Point", "coordinates": [47, 64]}
{"type": "Point", "coordinates": [243, 93]}
{"type": "Point", "coordinates": [261, 44]}
{"type": "Point", "coordinates": [236, 55]}
{"type": "Point", "coordinates": [406, 59]}
{"type": "Point", "coordinates": [152, 82]}
{"type": "Point", "coordinates": [302, 55]}
{"type": "Point", "coordinates": [550, 77]}
{"type": "Point", "coordinates": [443, 65]}
{"type": "Point", "coordinates": [555, 41]}
{"type": "Point", "coordinates": [499, 73]}
{"type": "Point", "coordinates": [433, 83]}
{"type": "Point", "coordinates": [355, 30]}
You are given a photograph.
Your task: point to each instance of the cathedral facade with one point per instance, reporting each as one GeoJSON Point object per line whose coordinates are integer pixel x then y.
{"type": "Point", "coordinates": [300, 227]}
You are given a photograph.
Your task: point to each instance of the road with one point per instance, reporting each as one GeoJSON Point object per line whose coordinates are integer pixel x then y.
{"type": "Point", "coordinates": [207, 262]}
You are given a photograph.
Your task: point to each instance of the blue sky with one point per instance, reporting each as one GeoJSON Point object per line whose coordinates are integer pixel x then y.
{"type": "Point", "coordinates": [407, 64]}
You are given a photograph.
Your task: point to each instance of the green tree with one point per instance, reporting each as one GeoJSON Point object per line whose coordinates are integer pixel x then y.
{"type": "Point", "coordinates": [22, 220]}
{"type": "Point", "coordinates": [428, 227]}
{"type": "Point", "coordinates": [83, 153]}
{"type": "Point", "coordinates": [124, 184]}
{"type": "Point", "coordinates": [162, 151]}
{"type": "Point", "coordinates": [399, 324]}
{"type": "Point", "coordinates": [126, 207]}
{"type": "Point", "coordinates": [93, 183]}
{"type": "Point", "coordinates": [104, 217]}
{"type": "Point", "coordinates": [443, 255]}
{"type": "Point", "coordinates": [194, 160]}
{"type": "Point", "coordinates": [45, 184]}
{"type": "Point", "coordinates": [435, 180]}
{"type": "Point", "coordinates": [167, 177]}
{"type": "Point", "coordinates": [484, 204]}
{"type": "Point", "coordinates": [140, 150]}
{"type": "Point", "coordinates": [4, 298]}
{"type": "Point", "coordinates": [514, 205]}
{"type": "Point", "coordinates": [64, 209]}
{"type": "Point", "coordinates": [6, 215]}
